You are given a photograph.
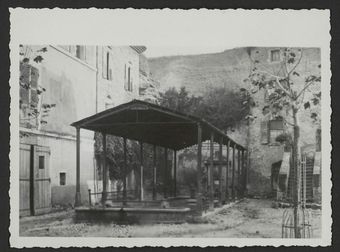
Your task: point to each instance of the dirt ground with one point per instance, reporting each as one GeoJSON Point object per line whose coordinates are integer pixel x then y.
{"type": "Point", "coordinates": [250, 218]}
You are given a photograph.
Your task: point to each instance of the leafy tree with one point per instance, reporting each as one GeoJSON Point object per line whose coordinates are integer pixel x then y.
{"type": "Point", "coordinates": [286, 89]}
{"type": "Point", "coordinates": [225, 109]}
{"type": "Point", "coordinates": [181, 101]}
{"type": "Point", "coordinates": [221, 107]}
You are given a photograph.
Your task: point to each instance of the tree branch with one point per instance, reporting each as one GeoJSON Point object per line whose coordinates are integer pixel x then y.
{"type": "Point", "coordinates": [296, 64]}
{"type": "Point", "coordinates": [277, 80]}
{"type": "Point", "coordinates": [305, 87]}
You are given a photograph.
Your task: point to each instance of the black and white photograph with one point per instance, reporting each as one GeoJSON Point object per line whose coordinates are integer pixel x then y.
{"type": "Point", "coordinates": [147, 138]}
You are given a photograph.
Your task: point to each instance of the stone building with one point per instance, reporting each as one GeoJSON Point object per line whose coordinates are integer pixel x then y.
{"type": "Point", "coordinates": [70, 83]}
{"type": "Point", "coordinates": [229, 69]}
{"type": "Point", "coordinates": [267, 155]}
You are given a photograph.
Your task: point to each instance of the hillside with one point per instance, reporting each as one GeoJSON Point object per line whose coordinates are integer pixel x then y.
{"type": "Point", "coordinates": [228, 69]}
{"type": "Point", "coordinates": [199, 72]}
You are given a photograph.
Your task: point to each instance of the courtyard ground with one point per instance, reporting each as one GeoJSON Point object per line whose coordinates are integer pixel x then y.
{"type": "Point", "coordinates": [250, 218]}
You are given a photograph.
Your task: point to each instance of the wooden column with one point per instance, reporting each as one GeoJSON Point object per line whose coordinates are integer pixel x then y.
{"type": "Point", "coordinates": [124, 172]}
{"type": "Point", "coordinates": [242, 173]}
{"type": "Point", "coordinates": [32, 184]}
{"type": "Point", "coordinates": [141, 172]}
{"type": "Point", "coordinates": [246, 172]}
{"type": "Point", "coordinates": [238, 173]}
{"type": "Point", "coordinates": [211, 173]}
{"type": "Point", "coordinates": [175, 173]}
{"type": "Point", "coordinates": [227, 172]}
{"type": "Point", "coordinates": [165, 173]}
{"type": "Point", "coordinates": [154, 174]}
{"type": "Point", "coordinates": [78, 197]}
{"type": "Point", "coordinates": [220, 174]}
{"type": "Point", "coordinates": [104, 192]}
{"type": "Point", "coordinates": [199, 169]}
{"type": "Point", "coordinates": [233, 176]}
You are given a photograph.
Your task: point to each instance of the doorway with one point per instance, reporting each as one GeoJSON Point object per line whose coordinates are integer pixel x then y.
{"type": "Point", "coordinates": [35, 181]}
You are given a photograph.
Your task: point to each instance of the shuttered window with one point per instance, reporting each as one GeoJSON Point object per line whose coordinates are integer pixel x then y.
{"type": "Point", "coordinates": [81, 52]}
{"type": "Point", "coordinates": [128, 84]}
{"type": "Point", "coordinates": [270, 130]}
{"type": "Point", "coordinates": [107, 65]}
{"type": "Point", "coordinates": [62, 178]}
{"type": "Point", "coordinates": [275, 55]}
{"type": "Point", "coordinates": [34, 86]}
{"type": "Point", "coordinates": [41, 162]}
{"type": "Point", "coordinates": [275, 129]}
{"type": "Point", "coordinates": [29, 76]}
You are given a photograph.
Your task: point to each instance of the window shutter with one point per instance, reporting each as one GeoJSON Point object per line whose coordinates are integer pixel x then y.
{"type": "Point", "coordinates": [34, 86]}
{"type": "Point", "coordinates": [24, 82]}
{"type": "Point", "coordinates": [131, 84]}
{"type": "Point", "coordinates": [25, 74]}
{"type": "Point", "coordinates": [110, 66]}
{"type": "Point", "coordinates": [34, 97]}
{"type": "Point", "coordinates": [264, 132]}
{"type": "Point", "coordinates": [129, 79]}
{"type": "Point", "coordinates": [125, 79]}
{"type": "Point", "coordinates": [104, 64]}
{"type": "Point", "coordinates": [23, 95]}
{"type": "Point", "coordinates": [34, 77]}
{"type": "Point", "coordinates": [89, 55]}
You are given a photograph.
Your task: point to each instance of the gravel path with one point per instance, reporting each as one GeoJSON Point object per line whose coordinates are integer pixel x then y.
{"type": "Point", "coordinates": [249, 218]}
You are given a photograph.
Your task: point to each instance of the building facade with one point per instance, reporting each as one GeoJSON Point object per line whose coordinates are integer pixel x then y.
{"type": "Point", "coordinates": [68, 83]}
{"type": "Point", "coordinates": [267, 155]}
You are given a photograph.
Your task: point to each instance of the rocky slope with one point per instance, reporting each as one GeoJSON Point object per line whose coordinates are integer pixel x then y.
{"type": "Point", "coordinates": [200, 72]}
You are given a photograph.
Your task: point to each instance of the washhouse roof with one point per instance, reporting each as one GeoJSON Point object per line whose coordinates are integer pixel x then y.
{"type": "Point", "coordinates": [150, 123]}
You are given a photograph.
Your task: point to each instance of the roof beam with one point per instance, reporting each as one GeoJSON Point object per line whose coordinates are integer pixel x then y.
{"type": "Point", "coordinates": [138, 124]}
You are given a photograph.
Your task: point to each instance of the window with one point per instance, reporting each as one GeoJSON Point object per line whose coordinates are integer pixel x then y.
{"type": "Point", "coordinates": [81, 52]}
{"type": "Point", "coordinates": [107, 71]}
{"type": "Point", "coordinates": [41, 162]}
{"type": "Point", "coordinates": [270, 129]}
{"type": "Point", "coordinates": [274, 55]}
{"type": "Point", "coordinates": [316, 180]}
{"type": "Point", "coordinates": [275, 129]}
{"type": "Point", "coordinates": [128, 85]}
{"type": "Point", "coordinates": [62, 178]}
{"type": "Point", "coordinates": [28, 84]}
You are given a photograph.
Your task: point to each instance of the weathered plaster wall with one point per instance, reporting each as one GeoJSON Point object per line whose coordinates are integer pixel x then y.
{"type": "Point", "coordinates": [70, 84]}
{"type": "Point", "coordinates": [63, 159]}
{"type": "Point", "coordinates": [111, 92]}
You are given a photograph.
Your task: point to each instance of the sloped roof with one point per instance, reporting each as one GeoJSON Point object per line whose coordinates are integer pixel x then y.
{"type": "Point", "coordinates": [153, 124]}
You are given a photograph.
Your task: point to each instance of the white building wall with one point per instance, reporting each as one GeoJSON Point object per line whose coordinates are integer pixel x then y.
{"type": "Point", "coordinates": [112, 92]}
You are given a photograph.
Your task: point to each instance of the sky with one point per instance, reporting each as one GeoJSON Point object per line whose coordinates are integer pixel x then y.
{"type": "Point", "coordinates": [159, 51]}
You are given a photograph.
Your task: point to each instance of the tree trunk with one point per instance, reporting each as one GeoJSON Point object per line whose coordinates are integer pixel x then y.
{"type": "Point", "coordinates": [296, 193]}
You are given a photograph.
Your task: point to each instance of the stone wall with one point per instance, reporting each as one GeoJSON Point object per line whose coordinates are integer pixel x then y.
{"type": "Point", "coordinates": [263, 155]}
